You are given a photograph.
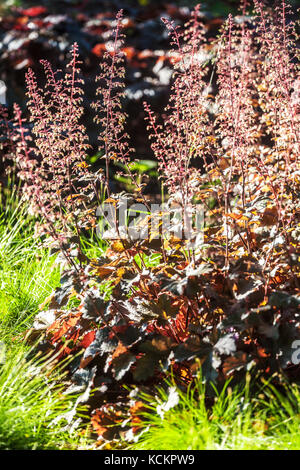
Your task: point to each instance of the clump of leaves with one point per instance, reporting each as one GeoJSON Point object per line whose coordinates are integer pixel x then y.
{"type": "Point", "coordinates": [34, 411]}
{"type": "Point", "coordinates": [229, 301]}
{"type": "Point", "coordinates": [254, 415]}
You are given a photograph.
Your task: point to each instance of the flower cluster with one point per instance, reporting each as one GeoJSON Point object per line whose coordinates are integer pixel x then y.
{"type": "Point", "coordinates": [182, 137]}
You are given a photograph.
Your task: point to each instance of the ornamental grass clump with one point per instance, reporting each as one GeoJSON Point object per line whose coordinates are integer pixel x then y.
{"type": "Point", "coordinates": [223, 296]}
{"type": "Point", "coordinates": [33, 406]}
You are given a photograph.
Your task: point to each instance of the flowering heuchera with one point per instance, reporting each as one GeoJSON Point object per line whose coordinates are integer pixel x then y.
{"type": "Point", "coordinates": [227, 142]}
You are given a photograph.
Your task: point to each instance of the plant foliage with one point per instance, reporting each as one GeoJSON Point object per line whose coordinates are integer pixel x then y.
{"type": "Point", "coordinates": [229, 302]}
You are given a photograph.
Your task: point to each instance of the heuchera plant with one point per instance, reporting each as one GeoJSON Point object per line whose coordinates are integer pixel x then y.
{"type": "Point", "coordinates": [229, 143]}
